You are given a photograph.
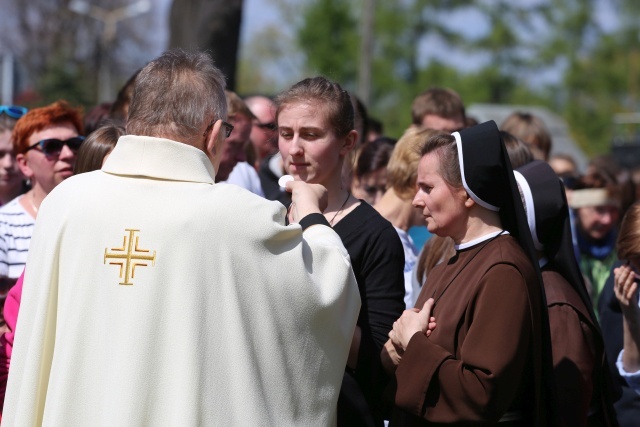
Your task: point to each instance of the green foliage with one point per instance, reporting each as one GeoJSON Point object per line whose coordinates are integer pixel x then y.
{"type": "Point", "coordinates": [67, 81]}
{"type": "Point", "coordinates": [330, 40]}
{"type": "Point", "coordinates": [602, 84]}
{"type": "Point", "coordinates": [509, 45]}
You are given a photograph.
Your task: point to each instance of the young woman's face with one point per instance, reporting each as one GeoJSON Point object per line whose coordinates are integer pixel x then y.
{"type": "Point", "coordinates": [310, 150]}
{"type": "Point", "coordinates": [443, 206]}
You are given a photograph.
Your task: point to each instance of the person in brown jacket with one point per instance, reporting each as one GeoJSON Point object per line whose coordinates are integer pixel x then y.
{"type": "Point", "coordinates": [488, 359]}
{"type": "Point", "coordinates": [579, 362]}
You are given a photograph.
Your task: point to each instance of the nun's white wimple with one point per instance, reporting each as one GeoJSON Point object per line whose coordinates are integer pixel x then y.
{"type": "Point", "coordinates": [477, 199]}
{"type": "Point", "coordinates": [531, 212]}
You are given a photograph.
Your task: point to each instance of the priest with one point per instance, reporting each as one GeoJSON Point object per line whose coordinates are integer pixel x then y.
{"type": "Point", "coordinates": [153, 296]}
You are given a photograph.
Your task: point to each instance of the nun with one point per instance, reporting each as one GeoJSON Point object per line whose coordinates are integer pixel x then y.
{"type": "Point", "coordinates": [579, 363]}
{"type": "Point", "coordinates": [486, 358]}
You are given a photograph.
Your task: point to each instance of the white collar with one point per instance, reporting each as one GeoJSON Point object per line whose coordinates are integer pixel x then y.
{"type": "Point", "coordinates": [543, 261]}
{"type": "Point", "coordinates": [479, 240]}
{"type": "Point", "coordinates": [159, 158]}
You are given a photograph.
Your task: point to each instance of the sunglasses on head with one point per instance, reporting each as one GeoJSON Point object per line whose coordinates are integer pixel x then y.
{"type": "Point", "coordinates": [53, 146]}
{"type": "Point", "coordinates": [13, 111]}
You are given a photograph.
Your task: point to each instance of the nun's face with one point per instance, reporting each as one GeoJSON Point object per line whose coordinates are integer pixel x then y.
{"type": "Point", "coordinates": [310, 150]}
{"type": "Point", "coordinates": [443, 206]}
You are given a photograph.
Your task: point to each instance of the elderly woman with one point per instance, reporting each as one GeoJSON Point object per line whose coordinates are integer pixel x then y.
{"type": "Point", "coordinates": [316, 133]}
{"type": "Point", "coordinates": [486, 359]}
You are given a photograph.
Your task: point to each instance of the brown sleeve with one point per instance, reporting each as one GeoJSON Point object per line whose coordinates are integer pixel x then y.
{"type": "Point", "coordinates": [573, 363]}
{"type": "Point", "coordinates": [481, 383]}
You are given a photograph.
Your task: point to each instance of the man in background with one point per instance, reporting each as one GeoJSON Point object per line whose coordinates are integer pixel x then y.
{"type": "Point", "coordinates": [439, 109]}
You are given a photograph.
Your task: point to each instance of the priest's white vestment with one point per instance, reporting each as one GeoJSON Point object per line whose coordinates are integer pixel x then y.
{"type": "Point", "coordinates": [154, 297]}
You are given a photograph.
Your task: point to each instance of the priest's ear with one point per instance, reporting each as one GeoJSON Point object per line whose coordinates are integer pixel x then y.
{"type": "Point", "coordinates": [214, 143]}
{"type": "Point", "coordinates": [23, 165]}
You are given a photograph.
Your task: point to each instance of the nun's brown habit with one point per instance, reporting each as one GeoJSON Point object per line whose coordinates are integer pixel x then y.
{"type": "Point", "coordinates": [579, 363]}
{"type": "Point", "coordinates": [488, 359]}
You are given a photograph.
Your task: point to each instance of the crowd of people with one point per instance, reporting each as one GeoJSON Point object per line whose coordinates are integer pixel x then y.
{"type": "Point", "coordinates": [186, 256]}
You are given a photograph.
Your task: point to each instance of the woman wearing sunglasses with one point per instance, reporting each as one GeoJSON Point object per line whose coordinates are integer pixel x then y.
{"type": "Point", "coordinates": [45, 141]}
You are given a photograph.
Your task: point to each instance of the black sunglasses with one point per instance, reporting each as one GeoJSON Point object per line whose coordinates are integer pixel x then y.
{"type": "Point", "coordinates": [228, 128]}
{"type": "Point", "coordinates": [13, 111]}
{"type": "Point", "coordinates": [53, 146]}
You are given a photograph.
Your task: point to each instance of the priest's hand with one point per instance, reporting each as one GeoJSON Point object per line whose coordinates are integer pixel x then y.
{"type": "Point", "coordinates": [410, 322]}
{"type": "Point", "coordinates": [306, 199]}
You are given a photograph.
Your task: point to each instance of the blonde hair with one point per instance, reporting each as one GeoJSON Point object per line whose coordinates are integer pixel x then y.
{"type": "Point", "coordinates": [402, 169]}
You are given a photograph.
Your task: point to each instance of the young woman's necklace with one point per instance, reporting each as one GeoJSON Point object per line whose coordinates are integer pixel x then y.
{"type": "Point", "coordinates": [341, 208]}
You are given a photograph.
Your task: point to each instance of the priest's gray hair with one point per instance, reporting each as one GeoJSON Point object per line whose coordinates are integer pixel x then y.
{"type": "Point", "coordinates": [444, 146]}
{"type": "Point", "coordinates": [176, 96]}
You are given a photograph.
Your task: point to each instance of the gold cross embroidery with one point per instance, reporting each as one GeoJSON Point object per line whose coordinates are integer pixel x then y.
{"type": "Point", "coordinates": [129, 256]}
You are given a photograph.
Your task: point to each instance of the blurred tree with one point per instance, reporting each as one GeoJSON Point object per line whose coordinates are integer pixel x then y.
{"type": "Point", "coordinates": [329, 37]}
{"type": "Point", "coordinates": [553, 53]}
{"type": "Point", "coordinates": [601, 69]}
{"type": "Point", "coordinates": [57, 50]}
{"type": "Point", "coordinates": [212, 25]}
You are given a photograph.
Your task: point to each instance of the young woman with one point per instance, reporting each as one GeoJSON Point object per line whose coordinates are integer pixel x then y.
{"type": "Point", "coordinates": [485, 360]}
{"type": "Point", "coordinates": [97, 147]}
{"type": "Point", "coordinates": [626, 291]}
{"type": "Point", "coordinates": [316, 133]}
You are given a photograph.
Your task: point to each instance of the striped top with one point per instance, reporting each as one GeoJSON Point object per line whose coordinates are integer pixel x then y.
{"type": "Point", "coordinates": [16, 227]}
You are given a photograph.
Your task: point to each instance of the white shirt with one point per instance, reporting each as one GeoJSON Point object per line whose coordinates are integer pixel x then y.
{"type": "Point", "coordinates": [16, 228]}
{"type": "Point", "coordinates": [245, 176]}
{"type": "Point", "coordinates": [411, 287]}
{"type": "Point", "coordinates": [632, 378]}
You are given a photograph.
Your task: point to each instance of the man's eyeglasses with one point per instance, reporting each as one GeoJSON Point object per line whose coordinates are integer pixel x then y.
{"type": "Point", "coordinates": [13, 111]}
{"type": "Point", "coordinates": [53, 146]}
{"type": "Point", "coordinates": [228, 128]}
{"type": "Point", "coordinates": [267, 126]}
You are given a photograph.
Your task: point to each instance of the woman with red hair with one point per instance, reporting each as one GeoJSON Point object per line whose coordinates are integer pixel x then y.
{"type": "Point", "coordinates": [45, 140]}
